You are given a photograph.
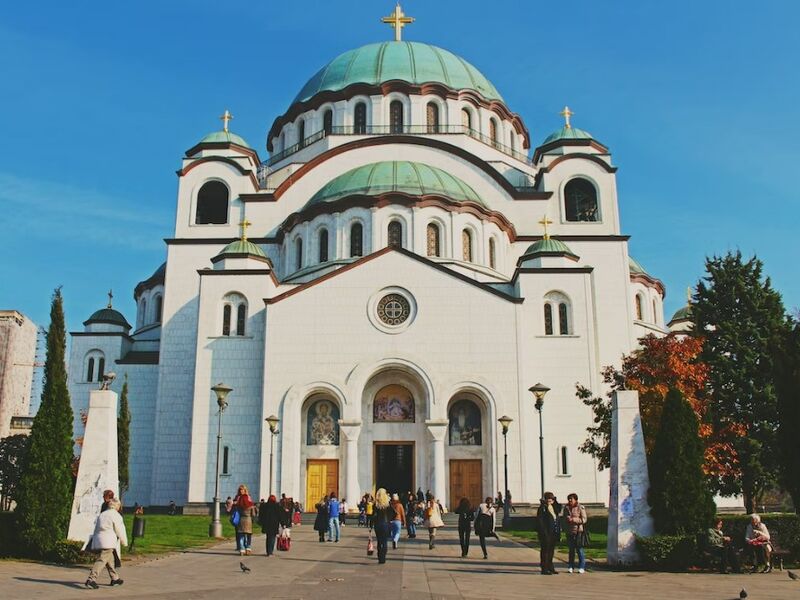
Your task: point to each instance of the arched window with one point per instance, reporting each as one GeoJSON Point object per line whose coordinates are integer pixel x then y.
{"type": "Point", "coordinates": [360, 118]}
{"type": "Point", "coordinates": [298, 251]}
{"type": "Point", "coordinates": [466, 119]}
{"type": "Point", "coordinates": [655, 313]}
{"type": "Point", "coordinates": [212, 204]}
{"type": "Point", "coordinates": [433, 117]}
{"type": "Point", "coordinates": [563, 318]}
{"type": "Point", "coordinates": [322, 424]}
{"type": "Point", "coordinates": [323, 245]}
{"type": "Point", "coordinates": [492, 254]}
{"type": "Point", "coordinates": [241, 319]}
{"type": "Point", "coordinates": [434, 248]}
{"type": "Point", "coordinates": [548, 319]}
{"type": "Point", "coordinates": [465, 423]}
{"type": "Point", "coordinates": [159, 308]}
{"type": "Point", "coordinates": [226, 460]}
{"type": "Point", "coordinates": [563, 461]}
{"type": "Point", "coordinates": [283, 141]}
{"type": "Point", "coordinates": [301, 131]}
{"type": "Point", "coordinates": [327, 122]}
{"type": "Point", "coordinates": [90, 370]}
{"type": "Point", "coordinates": [639, 307]}
{"type": "Point", "coordinates": [395, 234]}
{"type": "Point", "coordinates": [580, 198]}
{"type": "Point", "coordinates": [466, 245]}
{"type": "Point", "coordinates": [101, 368]}
{"type": "Point", "coordinates": [493, 132]}
{"type": "Point", "coordinates": [226, 319]}
{"type": "Point", "coordinates": [396, 117]}
{"type": "Point", "coordinates": [143, 319]}
{"type": "Point", "coordinates": [356, 240]}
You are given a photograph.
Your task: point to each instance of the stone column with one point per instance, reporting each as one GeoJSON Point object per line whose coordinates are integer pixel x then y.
{"type": "Point", "coordinates": [628, 510]}
{"type": "Point", "coordinates": [98, 470]}
{"type": "Point", "coordinates": [350, 430]}
{"type": "Point", "coordinates": [438, 431]}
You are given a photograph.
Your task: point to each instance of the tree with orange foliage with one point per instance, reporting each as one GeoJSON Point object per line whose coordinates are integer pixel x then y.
{"type": "Point", "coordinates": [661, 363]}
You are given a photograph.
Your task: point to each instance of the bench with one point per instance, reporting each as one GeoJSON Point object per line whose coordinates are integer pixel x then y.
{"type": "Point", "coordinates": [778, 555]}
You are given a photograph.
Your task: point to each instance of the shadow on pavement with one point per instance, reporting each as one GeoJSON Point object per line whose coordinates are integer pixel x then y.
{"type": "Point", "coordinates": [69, 584]}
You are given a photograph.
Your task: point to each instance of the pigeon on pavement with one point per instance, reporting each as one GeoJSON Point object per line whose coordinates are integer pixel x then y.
{"type": "Point", "coordinates": [794, 576]}
{"type": "Point", "coordinates": [244, 567]}
{"type": "Point", "coordinates": [743, 594]}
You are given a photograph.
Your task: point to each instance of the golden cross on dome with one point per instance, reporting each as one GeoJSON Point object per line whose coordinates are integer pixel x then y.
{"type": "Point", "coordinates": [398, 20]}
{"type": "Point", "coordinates": [566, 113]}
{"type": "Point", "coordinates": [244, 225]}
{"type": "Point", "coordinates": [110, 297]}
{"type": "Point", "coordinates": [225, 118]}
{"type": "Point", "coordinates": [688, 295]}
{"type": "Point", "coordinates": [544, 222]}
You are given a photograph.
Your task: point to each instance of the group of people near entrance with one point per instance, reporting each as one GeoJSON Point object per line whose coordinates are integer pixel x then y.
{"type": "Point", "coordinates": [275, 518]}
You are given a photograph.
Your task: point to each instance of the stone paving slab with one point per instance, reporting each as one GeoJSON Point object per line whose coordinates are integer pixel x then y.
{"type": "Point", "coordinates": [330, 571]}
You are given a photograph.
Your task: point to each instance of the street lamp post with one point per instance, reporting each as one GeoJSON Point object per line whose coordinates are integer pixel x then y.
{"type": "Point", "coordinates": [504, 423]}
{"type": "Point", "coordinates": [539, 391]}
{"type": "Point", "coordinates": [222, 391]}
{"type": "Point", "coordinates": [272, 421]}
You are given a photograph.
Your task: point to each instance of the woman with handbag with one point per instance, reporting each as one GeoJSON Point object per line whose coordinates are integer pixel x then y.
{"type": "Point", "coordinates": [465, 517]}
{"type": "Point", "coordinates": [247, 512]}
{"type": "Point", "coordinates": [433, 520]}
{"type": "Point", "coordinates": [269, 517]}
{"type": "Point", "coordinates": [383, 514]}
{"type": "Point", "coordinates": [575, 516]}
{"type": "Point", "coordinates": [757, 540]}
{"type": "Point", "coordinates": [484, 523]}
{"type": "Point", "coordinates": [108, 538]}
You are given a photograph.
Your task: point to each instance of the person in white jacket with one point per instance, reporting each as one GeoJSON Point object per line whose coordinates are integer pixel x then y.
{"type": "Point", "coordinates": [109, 534]}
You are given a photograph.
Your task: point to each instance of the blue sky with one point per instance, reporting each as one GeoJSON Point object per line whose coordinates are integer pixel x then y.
{"type": "Point", "coordinates": [698, 102]}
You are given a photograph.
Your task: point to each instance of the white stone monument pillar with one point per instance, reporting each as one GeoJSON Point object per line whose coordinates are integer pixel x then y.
{"type": "Point", "coordinates": [628, 510]}
{"type": "Point", "coordinates": [438, 431]}
{"type": "Point", "coordinates": [351, 431]}
{"type": "Point", "coordinates": [98, 468]}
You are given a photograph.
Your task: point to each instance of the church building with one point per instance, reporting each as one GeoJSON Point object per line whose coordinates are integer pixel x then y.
{"type": "Point", "coordinates": [408, 261]}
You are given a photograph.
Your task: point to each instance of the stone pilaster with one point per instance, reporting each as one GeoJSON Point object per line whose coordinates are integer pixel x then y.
{"type": "Point", "coordinates": [438, 431]}
{"type": "Point", "coordinates": [350, 430]}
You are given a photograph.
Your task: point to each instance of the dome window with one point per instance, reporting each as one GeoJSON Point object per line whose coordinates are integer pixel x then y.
{"type": "Point", "coordinates": [360, 118]}
{"type": "Point", "coordinates": [396, 117]}
{"type": "Point", "coordinates": [493, 133]}
{"type": "Point", "coordinates": [212, 204]}
{"type": "Point", "coordinates": [323, 246]}
{"type": "Point", "coordinates": [434, 246]}
{"type": "Point", "coordinates": [581, 201]}
{"type": "Point", "coordinates": [298, 248]}
{"type": "Point", "coordinates": [327, 122]}
{"type": "Point", "coordinates": [639, 307]}
{"type": "Point", "coordinates": [466, 119]}
{"type": "Point", "coordinates": [492, 253]}
{"type": "Point", "coordinates": [395, 234]}
{"type": "Point", "coordinates": [557, 303]}
{"type": "Point", "coordinates": [301, 132]}
{"type": "Point", "coordinates": [432, 112]}
{"type": "Point", "coordinates": [466, 245]}
{"type": "Point", "coordinates": [356, 240]}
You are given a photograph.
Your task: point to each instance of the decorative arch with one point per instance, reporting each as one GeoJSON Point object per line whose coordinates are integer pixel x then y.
{"type": "Point", "coordinates": [212, 203]}
{"type": "Point", "coordinates": [234, 314]}
{"type": "Point", "coordinates": [557, 314]}
{"type": "Point", "coordinates": [94, 365]}
{"type": "Point", "coordinates": [581, 201]}
{"type": "Point", "coordinates": [361, 377]}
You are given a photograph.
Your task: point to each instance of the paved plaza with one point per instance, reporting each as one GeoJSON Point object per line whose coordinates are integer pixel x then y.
{"type": "Point", "coordinates": [330, 571]}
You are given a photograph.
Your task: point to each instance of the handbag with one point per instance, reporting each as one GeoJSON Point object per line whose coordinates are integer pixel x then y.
{"type": "Point", "coordinates": [370, 546]}
{"type": "Point", "coordinates": [585, 538]}
{"type": "Point", "coordinates": [235, 518]}
{"type": "Point", "coordinates": [117, 561]}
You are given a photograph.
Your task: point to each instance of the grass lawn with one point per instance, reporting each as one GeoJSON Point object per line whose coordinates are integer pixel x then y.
{"type": "Point", "coordinates": [163, 533]}
{"type": "Point", "coordinates": [595, 550]}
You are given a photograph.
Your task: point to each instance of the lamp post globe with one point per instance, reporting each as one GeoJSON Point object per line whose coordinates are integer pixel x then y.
{"type": "Point", "coordinates": [505, 421]}
{"type": "Point", "coordinates": [221, 391]}
{"type": "Point", "coordinates": [272, 421]}
{"type": "Point", "coordinates": [539, 391]}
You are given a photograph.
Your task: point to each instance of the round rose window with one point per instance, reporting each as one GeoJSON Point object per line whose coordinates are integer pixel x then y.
{"type": "Point", "coordinates": [393, 309]}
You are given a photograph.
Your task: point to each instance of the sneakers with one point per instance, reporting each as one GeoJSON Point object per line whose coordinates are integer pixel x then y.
{"type": "Point", "coordinates": [241, 552]}
{"type": "Point", "coordinates": [581, 571]}
{"type": "Point", "coordinates": [570, 570]}
{"type": "Point", "coordinates": [117, 582]}
{"type": "Point", "coordinates": [91, 584]}
{"type": "Point", "coordinates": [248, 552]}
{"type": "Point", "coordinates": [394, 545]}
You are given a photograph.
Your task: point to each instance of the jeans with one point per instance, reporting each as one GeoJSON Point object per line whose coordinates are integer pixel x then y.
{"type": "Point", "coordinates": [271, 537]}
{"type": "Point", "coordinates": [382, 537]}
{"type": "Point", "coordinates": [333, 525]}
{"type": "Point", "coordinates": [463, 538]}
{"type": "Point", "coordinates": [243, 540]}
{"type": "Point", "coordinates": [411, 528]}
{"type": "Point", "coordinates": [573, 541]}
{"type": "Point", "coordinates": [396, 527]}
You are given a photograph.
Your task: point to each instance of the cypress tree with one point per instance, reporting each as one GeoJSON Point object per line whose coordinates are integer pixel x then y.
{"type": "Point", "coordinates": [123, 438]}
{"type": "Point", "coordinates": [787, 383]}
{"type": "Point", "coordinates": [46, 488]}
{"type": "Point", "coordinates": [742, 319]}
{"type": "Point", "coordinates": [681, 502]}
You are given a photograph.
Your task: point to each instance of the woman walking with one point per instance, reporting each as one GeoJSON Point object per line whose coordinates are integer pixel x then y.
{"type": "Point", "coordinates": [247, 512]}
{"type": "Point", "coordinates": [576, 518]}
{"type": "Point", "coordinates": [398, 519]}
{"type": "Point", "coordinates": [484, 523]}
{"type": "Point", "coordinates": [321, 521]}
{"type": "Point", "coordinates": [382, 514]}
{"type": "Point", "coordinates": [269, 517]}
{"type": "Point", "coordinates": [465, 517]}
{"type": "Point", "coordinates": [433, 520]}
{"type": "Point", "coordinates": [411, 509]}
{"type": "Point", "coordinates": [109, 535]}
{"type": "Point", "coordinates": [549, 531]}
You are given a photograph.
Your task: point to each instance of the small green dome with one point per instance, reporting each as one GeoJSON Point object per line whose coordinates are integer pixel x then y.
{"type": "Point", "coordinates": [243, 247]}
{"type": "Point", "coordinates": [549, 245]}
{"type": "Point", "coordinates": [682, 314]}
{"type": "Point", "coordinates": [413, 178]}
{"type": "Point", "coordinates": [224, 137]}
{"type": "Point", "coordinates": [108, 316]}
{"type": "Point", "coordinates": [413, 62]}
{"type": "Point", "coordinates": [635, 267]}
{"type": "Point", "coordinates": [568, 133]}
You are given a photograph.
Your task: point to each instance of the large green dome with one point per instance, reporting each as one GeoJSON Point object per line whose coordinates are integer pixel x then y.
{"type": "Point", "coordinates": [413, 62]}
{"type": "Point", "coordinates": [413, 178]}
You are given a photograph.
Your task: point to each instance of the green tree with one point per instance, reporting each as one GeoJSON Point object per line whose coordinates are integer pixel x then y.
{"type": "Point", "coordinates": [741, 319]}
{"type": "Point", "coordinates": [679, 497]}
{"type": "Point", "coordinates": [45, 492]}
{"type": "Point", "coordinates": [13, 450]}
{"type": "Point", "coordinates": [787, 384]}
{"type": "Point", "coordinates": [123, 438]}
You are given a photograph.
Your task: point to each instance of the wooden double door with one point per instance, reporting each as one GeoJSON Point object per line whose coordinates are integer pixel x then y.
{"type": "Point", "coordinates": [466, 481]}
{"type": "Point", "coordinates": [322, 478]}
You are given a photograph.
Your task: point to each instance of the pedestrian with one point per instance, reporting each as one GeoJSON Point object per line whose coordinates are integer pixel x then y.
{"type": "Point", "coordinates": [232, 508]}
{"type": "Point", "coordinates": [420, 495]}
{"type": "Point", "coordinates": [398, 519]}
{"type": "Point", "coordinates": [509, 503]}
{"type": "Point", "coordinates": [499, 501]}
{"type": "Point", "coordinates": [383, 514]}
{"type": "Point", "coordinates": [333, 517]}
{"type": "Point", "coordinates": [575, 516]}
{"type": "Point", "coordinates": [484, 523]}
{"type": "Point", "coordinates": [108, 538]}
{"type": "Point", "coordinates": [343, 512]}
{"type": "Point", "coordinates": [247, 512]}
{"type": "Point", "coordinates": [173, 509]}
{"type": "Point", "coordinates": [428, 496]}
{"type": "Point", "coordinates": [297, 515]}
{"type": "Point", "coordinates": [108, 495]}
{"type": "Point", "coordinates": [465, 517]}
{"type": "Point", "coordinates": [411, 509]}
{"type": "Point", "coordinates": [321, 520]}
{"type": "Point", "coordinates": [370, 511]}
{"type": "Point", "coordinates": [549, 531]}
{"type": "Point", "coordinates": [433, 520]}
{"type": "Point", "coordinates": [269, 517]}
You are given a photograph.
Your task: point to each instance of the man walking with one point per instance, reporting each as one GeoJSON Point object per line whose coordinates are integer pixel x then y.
{"type": "Point", "coordinates": [333, 517]}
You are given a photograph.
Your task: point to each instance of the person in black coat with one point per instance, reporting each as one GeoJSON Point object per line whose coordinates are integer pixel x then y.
{"type": "Point", "coordinates": [466, 514]}
{"type": "Point", "coordinates": [269, 517]}
{"type": "Point", "coordinates": [384, 514]}
{"type": "Point", "coordinates": [549, 530]}
{"type": "Point", "coordinates": [321, 522]}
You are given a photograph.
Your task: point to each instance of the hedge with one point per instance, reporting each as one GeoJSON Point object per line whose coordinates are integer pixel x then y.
{"type": "Point", "coordinates": [64, 551]}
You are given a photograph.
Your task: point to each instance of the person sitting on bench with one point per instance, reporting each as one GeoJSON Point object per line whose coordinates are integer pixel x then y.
{"type": "Point", "coordinates": [721, 547]}
{"type": "Point", "coordinates": [756, 536]}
